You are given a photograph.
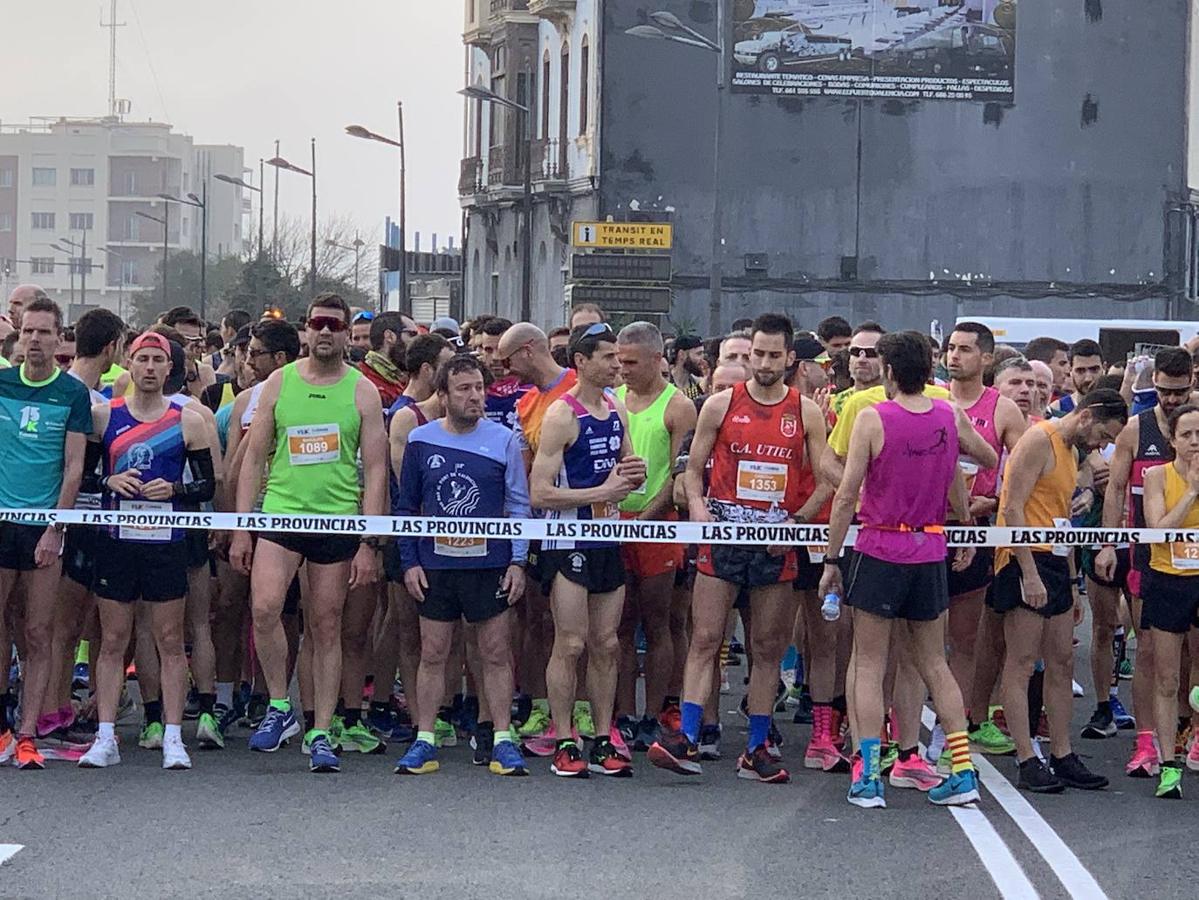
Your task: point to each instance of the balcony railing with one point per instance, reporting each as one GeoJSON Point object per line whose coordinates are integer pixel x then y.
{"type": "Point", "coordinates": [499, 7]}
{"type": "Point", "coordinates": [470, 178]}
{"type": "Point", "coordinates": [548, 161]}
{"type": "Point", "coordinates": [503, 167]}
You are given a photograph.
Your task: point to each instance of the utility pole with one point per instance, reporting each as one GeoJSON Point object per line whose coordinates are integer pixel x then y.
{"type": "Point", "coordinates": [275, 233]}
{"type": "Point", "coordinates": [112, 25]}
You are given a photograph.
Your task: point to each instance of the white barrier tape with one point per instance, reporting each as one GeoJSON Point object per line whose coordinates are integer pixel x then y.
{"type": "Point", "coordinates": [621, 531]}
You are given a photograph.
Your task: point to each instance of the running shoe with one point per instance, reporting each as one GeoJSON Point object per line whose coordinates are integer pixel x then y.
{"type": "Point", "coordinates": [888, 757]}
{"type": "Point", "coordinates": [191, 710]}
{"type": "Point", "coordinates": [945, 762]}
{"type": "Point", "coordinates": [582, 720]}
{"type": "Point", "coordinates": [481, 743]}
{"type": "Point", "coordinates": [1076, 688]}
{"type": "Point", "coordinates": [322, 757]}
{"type": "Point", "coordinates": [604, 760]}
{"type": "Point", "coordinates": [759, 765]}
{"type": "Point", "coordinates": [1072, 772]}
{"type": "Point", "coordinates": [421, 759]}
{"type": "Point", "coordinates": [547, 744]}
{"type": "Point", "coordinates": [380, 721]}
{"type": "Point", "coordinates": [445, 733]}
{"type": "Point", "coordinates": [102, 754]}
{"type": "Point", "coordinates": [1124, 721]}
{"type": "Point", "coordinates": [803, 713]}
{"type": "Point", "coordinates": [725, 687]}
{"type": "Point", "coordinates": [48, 724]}
{"type": "Point", "coordinates": [996, 715]}
{"type": "Point", "coordinates": [522, 705]}
{"type": "Point", "coordinates": [709, 742]}
{"type": "Point", "coordinates": [736, 648]}
{"type": "Point", "coordinates": [1145, 761]}
{"type": "Point", "coordinates": [360, 739]}
{"type": "Point", "coordinates": [987, 738]}
{"type": "Point", "coordinates": [823, 754]}
{"type": "Point", "coordinates": [1036, 778]}
{"type": "Point", "coordinates": [1126, 670]}
{"type": "Point", "coordinates": [1193, 698]}
{"type": "Point", "coordinates": [27, 755]}
{"type": "Point", "coordinates": [627, 726]}
{"type": "Point", "coordinates": [1101, 726]}
{"type": "Point", "coordinates": [174, 755]}
{"type": "Point", "coordinates": [568, 761]}
{"type": "Point", "coordinates": [80, 676]}
{"type": "Point", "coordinates": [675, 752]}
{"type": "Point", "coordinates": [208, 733]}
{"type": "Point", "coordinates": [1170, 786]}
{"type": "Point", "coordinates": [867, 793]}
{"type": "Point", "coordinates": [647, 734]}
{"type": "Point", "coordinates": [671, 717]}
{"type": "Point", "coordinates": [226, 717]}
{"type": "Point", "coordinates": [914, 773]}
{"type": "Point", "coordinates": [8, 746]}
{"type": "Point", "coordinates": [936, 744]}
{"type": "Point", "coordinates": [1182, 739]}
{"type": "Point", "coordinates": [1192, 760]}
{"type": "Point", "coordinates": [256, 709]}
{"type": "Point", "coordinates": [151, 736]}
{"type": "Point", "coordinates": [507, 760]}
{"type": "Point", "coordinates": [276, 728]}
{"type": "Point", "coordinates": [956, 790]}
{"type": "Point", "coordinates": [539, 721]}
{"type": "Point", "coordinates": [618, 742]}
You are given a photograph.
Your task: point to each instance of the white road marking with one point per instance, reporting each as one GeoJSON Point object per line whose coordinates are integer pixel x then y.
{"type": "Point", "coordinates": [1066, 866]}
{"type": "Point", "coordinates": [1005, 871]}
{"type": "Point", "coordinates": [8, 851]}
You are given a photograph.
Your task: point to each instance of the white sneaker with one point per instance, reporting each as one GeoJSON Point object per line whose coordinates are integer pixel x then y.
{"type": "Point", "coordinates": [725, 687]}
{"type": "Point", "coordinates": [174, 755]}
{"type": "Point", "coordinates": [102, 754]}
{"type": "Point", "coordinates": [936, 744]}
{"type": "Point", "coordinates": [1077, 688]}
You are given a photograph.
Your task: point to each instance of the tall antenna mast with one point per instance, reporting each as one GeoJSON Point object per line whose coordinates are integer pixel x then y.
{"type": "Point", "coordinates": [112, 25]}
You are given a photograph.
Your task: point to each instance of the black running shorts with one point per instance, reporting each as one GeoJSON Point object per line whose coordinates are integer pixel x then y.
{"type": "Point", "coordinates": [17, 545]}
{"type": "Point", "coordinates": [79, 556]}
{"type": "Point", "coordinates": [599, 569]}
{"type": "Point", "coordinates": [1008, 593]}
{"type": "Point", "coordinates": [127, 571]}
{"type": "Point", "coordinates": [750, 567]}
{"type": "Point", "coordinates": [977, 575]}
{"type": "Point", "coordinates": [914, 592]}
{"type": "Point", "coordinates": [318, 549]}
{"type": "Point", "coordinates": [471, 594]}
{"type": "Point", "coordinates": [1170, 602]}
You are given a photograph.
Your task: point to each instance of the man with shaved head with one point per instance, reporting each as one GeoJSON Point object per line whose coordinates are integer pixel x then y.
{"type": "Point", "coordinates": [22, 295]}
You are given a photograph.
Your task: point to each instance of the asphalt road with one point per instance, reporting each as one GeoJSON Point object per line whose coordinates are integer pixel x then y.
{"type": "Point", "coordinates": [256, 825]}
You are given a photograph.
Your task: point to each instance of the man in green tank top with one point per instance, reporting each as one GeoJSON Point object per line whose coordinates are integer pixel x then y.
{"type": "Point", "coordinates": [660, 416]}
{"type": "Point", "coordinates": [314, 418]}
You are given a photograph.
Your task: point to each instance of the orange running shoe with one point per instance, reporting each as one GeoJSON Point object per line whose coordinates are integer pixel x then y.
{"type": "Point", "coordinates": [27, 755]}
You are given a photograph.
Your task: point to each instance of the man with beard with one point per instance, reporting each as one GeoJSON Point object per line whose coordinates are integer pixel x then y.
{"type": "Point", "coordinates": [864, 367]}
{"type": "Point", "coordinates": [686, 365]}
{"type": "Point", "coordinates": [1086, 364]}
{"type": "Point", "coordinates": [390, 335]}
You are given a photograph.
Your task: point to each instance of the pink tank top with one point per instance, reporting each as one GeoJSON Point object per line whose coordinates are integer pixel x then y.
{"type": "Point", "coordinates": [907, 486]}
{"type": "Point", "coordinates": [982, 417]}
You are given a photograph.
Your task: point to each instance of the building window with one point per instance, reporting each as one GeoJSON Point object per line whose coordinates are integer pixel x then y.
{"type": "Point", "coordinates": [43, 221]}
{"type": "Point", "coordinates": [128, 272]}
{"type": "Point", "coordinates": [5, 221]}
{"type": "Point", "coordinates": [81, 265]}
{"type": "Point", "coordinates": [6, 178]}
{"type": "Point", "coordinates": [41, 265]}
{"type": "Point", "coordinates": [83, 177]}
{"type": "Point", "coordinates": [130, 184]}
{"type": "Point", "coordinates": [44, 177]}
{"type": "Point", "coordinates": [584, 80]}
{"type": "Point", "coordinates": [564, 97]}
{"type": "Point", "coordinates": [133, 229]}
{"type": "Point", "coordinates": [545, 96]}
{"type": "Point", "coordinates": [82, 221]}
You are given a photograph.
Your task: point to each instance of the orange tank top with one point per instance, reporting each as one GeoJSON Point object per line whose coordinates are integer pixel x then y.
{"type": "Point", "coordinates": [1049, 502]}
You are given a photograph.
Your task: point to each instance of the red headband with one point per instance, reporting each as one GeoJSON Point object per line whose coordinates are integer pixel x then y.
{"type": "Point", "coordinates": [151, 339]}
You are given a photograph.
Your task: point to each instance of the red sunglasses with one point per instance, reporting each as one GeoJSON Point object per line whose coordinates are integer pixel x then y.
{"type": "Point", "coordinates": [334, 324]}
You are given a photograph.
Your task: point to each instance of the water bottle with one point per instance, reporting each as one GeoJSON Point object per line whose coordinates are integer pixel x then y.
{"type": "Point", "coordinates": [831, 610]}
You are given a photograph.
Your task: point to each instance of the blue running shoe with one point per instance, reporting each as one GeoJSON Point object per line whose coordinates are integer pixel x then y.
{"type": "Point", "coordinates": [507, 760]}
{"type": "Point", "coordinates": [421, 759]}
{"type": "Point", "coordinates": [381, 722]}
{"type": "Point", "coordinates": [321, 756]}
{"type": "Point", "coordinates": [402, 734]}
{"type": "Point", "coordinates": [1124, 722]}
{"type": "Point", "coordinates": [275, 729]}
{"type": "Point", "coordinates": [226, 718]}
{"type": "Point", "coordinates": [956, 790]}
{"type": "Point", "coordinates": [80, 675]}
{"type": "Point", "coordinates": [867, 793]}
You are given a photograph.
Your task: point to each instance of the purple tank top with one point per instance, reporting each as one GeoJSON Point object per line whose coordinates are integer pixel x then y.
{"type": "Point", "coordinates": [907, 486]}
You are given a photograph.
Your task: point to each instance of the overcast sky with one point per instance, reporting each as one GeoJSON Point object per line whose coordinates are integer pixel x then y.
{"type": "Point", "coordinates": [248, 72]}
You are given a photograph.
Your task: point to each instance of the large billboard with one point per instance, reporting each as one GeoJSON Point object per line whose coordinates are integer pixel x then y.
{"type": "Point", "coordinates": [908, 49]}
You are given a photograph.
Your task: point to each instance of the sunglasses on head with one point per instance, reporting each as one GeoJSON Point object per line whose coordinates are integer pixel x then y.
{"type": "Point", "coordinates": [365, 316]}
{"type": "Point", "coordinates": [333, 323]}
{"type": "Point", "coordinates": [1173, 392]}
{"type": "Point", "coordinates": [597, 328]}
{"type": "Point", "coordinates": [868, 352]}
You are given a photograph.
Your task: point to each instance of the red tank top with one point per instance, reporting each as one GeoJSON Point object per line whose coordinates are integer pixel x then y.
{"type": "Point", "coordinates": [758, 461]}
{"type": "Point", "coordinates": [982, 417]}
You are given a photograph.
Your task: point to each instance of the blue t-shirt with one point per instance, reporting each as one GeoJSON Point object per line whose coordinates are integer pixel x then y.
{"type": "Point", "coordinates": [35, 418]}
{"type": "Point", "coordinates": [479, 475]}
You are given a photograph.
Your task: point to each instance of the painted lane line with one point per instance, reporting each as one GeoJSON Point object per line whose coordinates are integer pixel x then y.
{"type": "Point", "coordinates": [1069, 868]}
{"type": "Point", "coordinates": [8, 851]}
{"type": "Point", "coordinates": [1005, 871]}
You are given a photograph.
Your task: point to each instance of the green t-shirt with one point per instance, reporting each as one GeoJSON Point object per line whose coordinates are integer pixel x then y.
{"type": "Point", "coordinates": [35, 418]}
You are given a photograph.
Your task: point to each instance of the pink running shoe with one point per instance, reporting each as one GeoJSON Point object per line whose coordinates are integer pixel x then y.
{"type": "Point", "coordinates": [546, 744]}
{"type": "Point", "coordinates": [856, 768]}
{"type": "Point", "coordinates": [618, 743]}
{"type": "Point", "coordinates": [1193, 756]}
{"type": "Point", "coordinates": [1145, 762]}
{"type": "Point", "coordinates": [914, 773]}
{"type": "Point", "coordinates": [51, 722]}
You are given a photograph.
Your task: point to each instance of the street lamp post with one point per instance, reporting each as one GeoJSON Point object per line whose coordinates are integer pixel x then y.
{"type": "Point", "coordinates": [280, 163]}
{"type": "Point", "coordinates": [200, 203]}
{"type": "Point", "coordinates": [667, 26]}
{"type": "Point", "coordinates": [239, 182]}
{"type": "Point", "coordinates": [526, 143]}
{"type": "Point", "coordinates": [356, 249]}
{"type": "Point", "coordinates": [120, 280]}
{"type": "Point", "coordinates": [164, 222]}
{"type": "Point", "coordinates": [359, 132]}
{"type": "Point", "coordinates": [70, 265]}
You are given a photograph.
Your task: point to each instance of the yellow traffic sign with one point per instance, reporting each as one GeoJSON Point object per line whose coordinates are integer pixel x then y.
{"type": "Point", "coordinates": [623, 235]}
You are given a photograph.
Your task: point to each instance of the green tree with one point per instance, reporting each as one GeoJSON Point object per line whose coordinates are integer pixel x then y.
{"type": "Point", "coordinates": [183, 286]}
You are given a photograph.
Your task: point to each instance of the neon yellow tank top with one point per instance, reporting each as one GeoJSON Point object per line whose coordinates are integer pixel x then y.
{"type": "Point", "coordinates": [651, 441]}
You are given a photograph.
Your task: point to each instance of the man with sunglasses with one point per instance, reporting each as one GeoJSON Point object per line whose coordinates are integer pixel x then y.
{"type": "Point", "coordinates": [1033, 587]}
{"type": "Point", "coordinates": [864, 366]}
{"type": "Point", "coordinates": [389, 336]}
{"type": "Point", "coordinates": [318, 413]}
{"type": "Point", "coordinates": [1142, 445]}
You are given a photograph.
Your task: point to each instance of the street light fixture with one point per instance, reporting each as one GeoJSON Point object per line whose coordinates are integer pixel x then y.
{"type": "Point", "coordinates": [238, 182]}
{"type": "Point", "coordinates": [202, 205]}
{"type": "Point", "coordinates": [668, 27]}
{"type": "Point", "coordinates": [366, 134]}
{"type": "Point", "coordinates": [355, 248]}
{"type": "Point", "coordinates": [280, 163]}
{"type": "Point", "coordinates": [482, 94]}
{"type": "Point", "coordinates": [166, 231]}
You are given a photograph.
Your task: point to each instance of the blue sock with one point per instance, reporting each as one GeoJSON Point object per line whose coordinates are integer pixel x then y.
{"type": "Point", "coordinates": [870, 748]}
{"type": "Point", "coordinates": [759, 728]}
{"type": "Point", "coordinates": [692, 714]}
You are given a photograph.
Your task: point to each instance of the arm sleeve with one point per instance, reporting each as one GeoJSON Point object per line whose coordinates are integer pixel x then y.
{"type": "Point", "coordinates": [408, 502]}
{"type": "Point", "coordinates": [516, 495]}
{"type": "Point", "coordinates": [202, 487]}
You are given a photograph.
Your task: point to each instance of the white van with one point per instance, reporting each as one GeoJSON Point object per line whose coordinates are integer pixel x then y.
{"type": "Point", "coordinates": [1016, 332]}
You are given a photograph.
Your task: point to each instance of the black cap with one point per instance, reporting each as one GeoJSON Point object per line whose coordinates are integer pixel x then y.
{"type": "Point", "coordinates": [242, 338]}
{"type": "Point", "coordinates": [688, 342]}
{"type": "Point", "coordinates": [806, 347]}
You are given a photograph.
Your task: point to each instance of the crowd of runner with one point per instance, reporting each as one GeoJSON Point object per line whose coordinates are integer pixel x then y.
{"type": "Point", "coordinates": [358, 644]}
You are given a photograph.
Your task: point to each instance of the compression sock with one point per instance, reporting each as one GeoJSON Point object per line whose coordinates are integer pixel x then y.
{"type": "Point", "coordinates": [759, 728]}
{"type": "Point", "coordinates": [283, 705]}
{"type": "Point", "coordinates": [693, 713]}
{"type": "Point", "coordinates": [870, 758]}
{"type": "Point", "coordinates": [959, 751]}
